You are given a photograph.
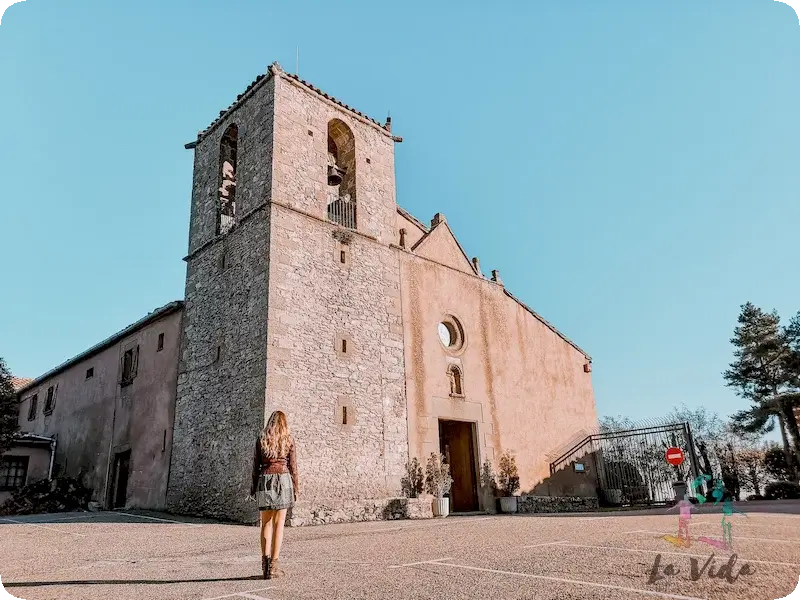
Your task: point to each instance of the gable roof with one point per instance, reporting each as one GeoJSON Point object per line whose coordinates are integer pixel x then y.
{"type": "Point", "coordinates": [151, 317]}
{"type": "Point", "coordinates": [442, 226]}
{"type": "Point", "coordinates": [275, 70]}
{"type": "Point", "coordinates": [412, 218]}
{"type": "Point", "coordinates": [536, 315]}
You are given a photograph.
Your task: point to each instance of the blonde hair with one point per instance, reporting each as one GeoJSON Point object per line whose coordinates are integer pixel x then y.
{"type": "Point", "coordinates": [276, 439]}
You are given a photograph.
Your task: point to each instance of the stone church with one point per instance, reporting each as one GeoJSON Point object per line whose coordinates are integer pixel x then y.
{"type": "Point", "coordinates": [309, 290]}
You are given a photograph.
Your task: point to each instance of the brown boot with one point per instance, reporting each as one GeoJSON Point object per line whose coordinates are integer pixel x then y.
{"type": "Point", "coordinates": [266, 566]}
{"type": "Point", "coordinates": [275, 571]}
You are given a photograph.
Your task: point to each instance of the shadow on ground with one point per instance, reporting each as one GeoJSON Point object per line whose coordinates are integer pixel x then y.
{"type": "Point", "coordinates": [22, 584]}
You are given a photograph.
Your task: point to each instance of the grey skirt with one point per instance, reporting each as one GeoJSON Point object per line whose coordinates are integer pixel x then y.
{"type": "Point", "coordinates": [275, 492]}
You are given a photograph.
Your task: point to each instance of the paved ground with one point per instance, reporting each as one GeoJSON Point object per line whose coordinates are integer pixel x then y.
{"type": "Point", "coordinates": [128, 556]}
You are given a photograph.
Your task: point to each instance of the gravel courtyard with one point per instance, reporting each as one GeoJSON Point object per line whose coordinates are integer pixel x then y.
{"type": "Point", "coordinates": [139, 556]}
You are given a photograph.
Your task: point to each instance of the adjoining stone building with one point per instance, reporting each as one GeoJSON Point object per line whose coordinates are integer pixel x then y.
{"type": "Point", "coordinates": [105, 416]}
{"type": "Point", "coordinates": [310, 291]}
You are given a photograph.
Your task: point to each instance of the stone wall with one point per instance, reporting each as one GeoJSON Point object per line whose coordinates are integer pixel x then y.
{"type": "Point", "coordinates": [351, 511]}
{"type": "Point", "coordinates": [220, 394]}
{"type": "Point", "coordinates": [347, 409]}
{"type": "Point", "coordinates": [556, 504]}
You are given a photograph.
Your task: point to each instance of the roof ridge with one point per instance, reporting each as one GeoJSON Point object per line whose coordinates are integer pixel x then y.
{"type": "Point", "coordinates": [433, 228]}
{"type": "Point", "coordinates": [411, 218]}
{"type": "Point", "coordinates": [273, 70]}
{"type": "Point", "coordinates": [547, 324]}
{"type": "Point", "coordinates": [152, 316]}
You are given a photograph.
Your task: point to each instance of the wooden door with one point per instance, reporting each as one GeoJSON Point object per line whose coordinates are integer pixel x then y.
{"type": "Point", "coordinates": [458, 447]}
{"type": "Point", "coordinates": [121, 471]}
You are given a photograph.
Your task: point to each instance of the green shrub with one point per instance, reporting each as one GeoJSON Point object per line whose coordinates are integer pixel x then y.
{"type": "Point", "coordinates": [62, 494]}
{"type": "Point", "coordinates": [782, 490]}
{"type": "Point", "coordinates": [508, 478]}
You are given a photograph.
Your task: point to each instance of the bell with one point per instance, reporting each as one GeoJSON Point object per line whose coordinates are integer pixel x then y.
{"type": "Point", "coordinates": [334, 175]}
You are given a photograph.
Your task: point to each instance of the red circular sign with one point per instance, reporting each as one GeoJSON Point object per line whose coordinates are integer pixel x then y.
{"type": "Point", "coordinates": [674, 456]}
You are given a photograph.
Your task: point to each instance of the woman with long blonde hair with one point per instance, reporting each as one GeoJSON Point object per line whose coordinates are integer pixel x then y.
{"type": "Point", "coordinates": [275, 487]}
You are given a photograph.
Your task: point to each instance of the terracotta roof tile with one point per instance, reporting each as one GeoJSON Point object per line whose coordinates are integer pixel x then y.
{"type": "Point", "coordinates": [20, 382]}
{"type": "Point", "coordinates": [275, 69]}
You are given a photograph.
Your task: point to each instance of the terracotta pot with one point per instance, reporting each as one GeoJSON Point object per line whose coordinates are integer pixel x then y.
{"type": "Point", "coordinates": [508, 505]}
{"type": "Point", "coordinates": [441, 507]}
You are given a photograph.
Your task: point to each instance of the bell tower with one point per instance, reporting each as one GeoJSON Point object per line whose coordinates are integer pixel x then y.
{"type": "Point", "coordinates": [292, 303]}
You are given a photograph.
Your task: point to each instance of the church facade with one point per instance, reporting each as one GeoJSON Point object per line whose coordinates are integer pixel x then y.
{"type": "Point", "coordinates": [309, 290]}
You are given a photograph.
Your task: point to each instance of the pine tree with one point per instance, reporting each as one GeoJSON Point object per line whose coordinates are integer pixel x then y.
{"type": "Point", "coordinates": [764, 371]}
{"type": "Point", "coordinates": [9, 409]}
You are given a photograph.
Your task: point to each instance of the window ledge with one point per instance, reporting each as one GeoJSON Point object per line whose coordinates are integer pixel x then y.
{"type": "Point", "coordinates": [126, 383]}
{"type": "Point", "coordinates": [457, 396]}
{"type": "Point", "coordinates": [49, 412]}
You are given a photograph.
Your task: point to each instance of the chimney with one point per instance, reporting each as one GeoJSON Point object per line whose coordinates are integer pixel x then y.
{"type": "Point", "coordinates": [437, 218]}
{"type": "Point", "coordinates": [388, 125]}
{"type": "Point", "coordinates": [403, 239]}
{"type": "Point", "coordinates": [477, 264]}
{"type": "Point", "coordinates": [496, 277]}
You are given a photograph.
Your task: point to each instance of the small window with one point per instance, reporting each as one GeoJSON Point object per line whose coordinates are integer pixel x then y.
{"type": "Point", "coordinates": [456, 383]}
{"type": "Point", "coordinates": [345, 415]}
{"type": "Point", "coordinates": [50, 401]}
{"type": "Point", "coordinates": [130, 360]}
{"type": "Point", "coordinates": [451, 334]}
{"type": "Point", "coordinates": [32, 408]}
{"type": "Point", "coordinates": [226, 211]}
{"type": "Point", "coordinates": [90, 373]}
{"type": "Point", "coordinates": [343, 345]}
{"type": "Point", "coordinates": [160, 342]}
{"type": "Point", "coordinates": [219, 354]}
{"type": "Point", "coordinates": [13, 472]}
{"type": "Point", "coordinates": [342, 254]}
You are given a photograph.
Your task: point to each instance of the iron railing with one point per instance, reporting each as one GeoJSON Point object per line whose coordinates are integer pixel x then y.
{"type": "Point", "coordinates": [630, 465]}
{"type": "Point", "coordinates": [342, 211]}
{"type": "Point", "coordinates": [225, 223]}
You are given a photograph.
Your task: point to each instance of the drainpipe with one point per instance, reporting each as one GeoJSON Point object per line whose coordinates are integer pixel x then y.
{"type": "Point", "coordinates": [52, 459]}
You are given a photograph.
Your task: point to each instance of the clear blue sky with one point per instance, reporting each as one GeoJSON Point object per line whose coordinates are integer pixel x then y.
{"type": "Point", "coordinates": [630, 168]}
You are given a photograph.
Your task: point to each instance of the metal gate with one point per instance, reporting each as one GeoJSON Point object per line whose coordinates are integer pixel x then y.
{"type": "Point", "coordinates": [630, 465]}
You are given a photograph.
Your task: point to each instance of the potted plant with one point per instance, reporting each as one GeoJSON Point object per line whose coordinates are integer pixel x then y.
{"type": "Point", "coordinates": [488, 486]}
{"type": "Point", "coordinates": [413, 482]}
{"type": "Point", "coordinates": [508, 480]}
{"type": "Point", "coordinates": [437, 483]}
